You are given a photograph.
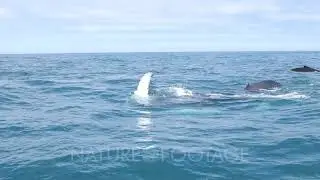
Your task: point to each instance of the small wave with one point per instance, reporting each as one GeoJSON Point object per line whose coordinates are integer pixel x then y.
{"type": "Point", "coordinates": [270, 90]}
{"type": "Point", "coordinates": [217, 95]}
{"type": "Point", "coordinates": [15, 73]}
{"type": "Point", "coordinates": [292, 95]}
{"type": "Point", "coordinates": [66, 89]}
{"type": "Point", "coordinates": [141, 111]}
{"type": "Point", "coordinates": [189, 111]}
{"type": "Point", "coordinates": [65, 108]}
{"type": "Point", "coordinates": [39, 82]}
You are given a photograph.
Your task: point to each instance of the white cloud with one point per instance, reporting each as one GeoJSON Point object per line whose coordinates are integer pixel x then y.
{"type": "Point", "coordinates": [3, 12]}
{"type": "Point", "coordinates": [160, 11]}
{"type": "Point", "coordinates": [247, 7]}
{"type": "Point", "coordinates": [122, 28]}
{"type": "Point", "coordinates": [145, 15]}
{"type": "Point", "coordinates": [143, 10]}
{"type": "Point", "coordinates": [98, 16]}
{"type": "Point", "coordinates": [295, 16]}
{"type": "Point", "coordinates": [174, 23]}
{"type": "Point", "coordinates": [6, 13]}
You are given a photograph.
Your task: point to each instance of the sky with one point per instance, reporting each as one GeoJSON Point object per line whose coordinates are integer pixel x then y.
{"type": "Point", "coordinates": [76, 26]}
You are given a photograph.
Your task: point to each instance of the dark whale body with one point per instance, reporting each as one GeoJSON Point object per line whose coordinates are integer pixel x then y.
{"type": "Point", "coordinates": [304, 69]}
{"type": "Point", "coordinates": [267, 84]}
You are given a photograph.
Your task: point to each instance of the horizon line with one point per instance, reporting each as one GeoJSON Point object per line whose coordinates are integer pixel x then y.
{"type": "Point", "coordinates": [128, 52]}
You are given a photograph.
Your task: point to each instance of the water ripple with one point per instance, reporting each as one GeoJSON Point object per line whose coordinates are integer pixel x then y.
{"type": "Point", "coordinates": [73, 116]}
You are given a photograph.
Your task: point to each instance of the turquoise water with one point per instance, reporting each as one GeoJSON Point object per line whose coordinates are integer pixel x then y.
{"type": "Point", "coordinates": [74, 116]}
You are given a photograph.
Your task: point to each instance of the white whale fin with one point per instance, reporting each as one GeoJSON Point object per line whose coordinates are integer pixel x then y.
{"type": "Point", "coordinates": [143, 86]}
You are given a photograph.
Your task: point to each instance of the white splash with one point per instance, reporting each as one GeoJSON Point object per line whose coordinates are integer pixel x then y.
{"type": "Point", "coordinates": [217, 95]}
{"type": "Point", "coordinates": [180, 91]}
{"type": "Point", "coordinates": [292, 95]}
{"type": "Point", "coordinates": [270, 90]}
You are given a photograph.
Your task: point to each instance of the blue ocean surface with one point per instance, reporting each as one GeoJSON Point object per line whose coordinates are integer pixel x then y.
{"type": "Point", "coordinates": [77, 116]}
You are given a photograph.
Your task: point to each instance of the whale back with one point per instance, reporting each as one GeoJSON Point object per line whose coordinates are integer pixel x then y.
{"type": "Point", "coordinates": [267, 84]}
{"type": "Point", "coordinates": [305, 69]}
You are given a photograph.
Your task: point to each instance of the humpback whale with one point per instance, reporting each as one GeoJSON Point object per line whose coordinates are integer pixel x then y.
{"type": "Point", "coordinates": [305, 69]}
{"type": "Point", "coordinates": [263, 85]}
{"type": "Point", "coordinates": [143, 86]}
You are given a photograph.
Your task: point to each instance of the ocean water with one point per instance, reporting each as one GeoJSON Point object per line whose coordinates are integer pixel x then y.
{"type": "Point", "coordinates": [76, 116]}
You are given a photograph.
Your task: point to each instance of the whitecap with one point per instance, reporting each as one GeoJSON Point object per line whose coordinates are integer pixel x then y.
{"type": "Point", "coordinates": [292, 95]}
{"type": "Point", "coordinates": [180, 91]}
